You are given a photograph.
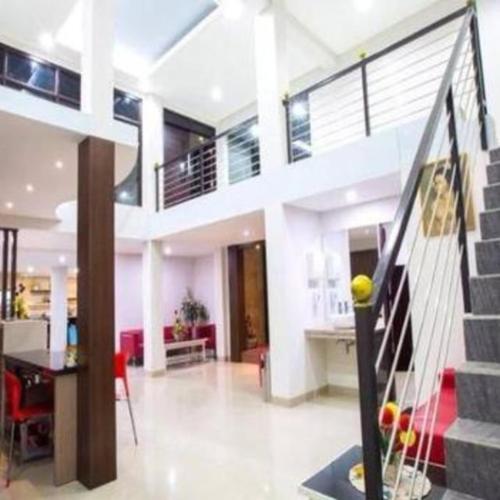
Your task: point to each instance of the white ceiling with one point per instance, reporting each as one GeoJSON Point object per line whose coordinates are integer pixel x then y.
{"type": "Point", "coordinates": [205, 239]}
{"type": "Point", "coordinates": [29, 151]}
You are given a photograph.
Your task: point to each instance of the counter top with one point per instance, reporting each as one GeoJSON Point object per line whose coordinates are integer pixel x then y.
{"type": "Point", "coordinates": [329, 332]}
{"type": "Point", "coordinates": [52, 362]}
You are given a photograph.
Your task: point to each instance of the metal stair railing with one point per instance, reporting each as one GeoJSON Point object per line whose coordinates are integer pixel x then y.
{"type": "Point", "coordinates": [430, 239]}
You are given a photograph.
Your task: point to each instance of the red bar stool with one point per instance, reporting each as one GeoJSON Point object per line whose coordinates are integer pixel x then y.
{"type": "Point", "coordinates": [19, 415]}
{"type": "Point", "coordinates": [121, 373]}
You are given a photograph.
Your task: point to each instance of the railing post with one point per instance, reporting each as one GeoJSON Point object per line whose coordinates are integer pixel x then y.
{"type": "Point", "coordinates": [459, 191]}
{"type": "Point", "coordinates": [366, 99]}
{"type": "Point", "coordinates": [367, 380]}
{"type": "Point", "coordinates": [479, 78]}
{"type": "Point", "coordinates": [13, 275]}
{"type": "Point", "coordinates": [157, 188]}
{"type": "Point", "coordinates": [289, 147]}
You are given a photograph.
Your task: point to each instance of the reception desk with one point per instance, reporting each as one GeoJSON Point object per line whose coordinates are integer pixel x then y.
{"type": "Point", "coordinates": [52, 364]}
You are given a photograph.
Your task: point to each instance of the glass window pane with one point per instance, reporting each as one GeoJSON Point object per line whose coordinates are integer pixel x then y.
{"type": "Point", "coordinates": [127, 106]}
{"type": "Point", "coordinates": [69, 85]}
{"type": "Point", "coordinates": [30, 72]}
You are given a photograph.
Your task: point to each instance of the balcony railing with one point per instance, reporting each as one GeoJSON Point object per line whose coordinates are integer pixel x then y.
{"type": "Point", "coordinates": [393, 86]}
{"type": "Point", "coordinates": [227, 158]}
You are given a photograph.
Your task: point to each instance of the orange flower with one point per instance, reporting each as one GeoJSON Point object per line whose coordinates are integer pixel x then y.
{"type": "Point", "coordinates": [389, 414]}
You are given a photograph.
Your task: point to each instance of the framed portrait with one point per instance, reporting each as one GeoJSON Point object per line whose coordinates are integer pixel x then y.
{"type": "Point", "coordinates": [439, 209]}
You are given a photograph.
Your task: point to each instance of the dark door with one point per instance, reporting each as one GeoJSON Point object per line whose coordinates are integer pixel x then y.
{"type": "Point", "coordinates": [364, 262]}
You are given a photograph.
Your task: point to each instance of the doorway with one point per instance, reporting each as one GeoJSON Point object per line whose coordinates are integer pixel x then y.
{"type": "Point", "coordinates": [248, 302]}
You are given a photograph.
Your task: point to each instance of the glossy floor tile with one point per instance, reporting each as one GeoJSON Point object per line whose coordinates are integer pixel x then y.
{"type": "Point", "coordinates": [205, 433]}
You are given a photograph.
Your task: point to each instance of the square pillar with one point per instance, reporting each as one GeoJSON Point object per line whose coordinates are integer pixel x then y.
{"type": "Point", "coordinates": [96, 313]}
{"type": "Point", "coordinates": [152, 272]}
{"type": "Point", "coordinates": [97, 68]}
{"type": "Point", "coordinates": [58, 308]}
{"type": "Point", "coordinates": [272, 84]}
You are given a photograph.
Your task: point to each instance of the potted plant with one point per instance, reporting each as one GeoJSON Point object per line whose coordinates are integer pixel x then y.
{"type": "Point", "coordinates": [193, 311]}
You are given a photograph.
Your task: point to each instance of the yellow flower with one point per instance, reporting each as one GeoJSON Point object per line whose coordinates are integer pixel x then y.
{"type": "Point", "coordinates": [394, 409]}
{"type": "Point", "coordinates": [408, 438]}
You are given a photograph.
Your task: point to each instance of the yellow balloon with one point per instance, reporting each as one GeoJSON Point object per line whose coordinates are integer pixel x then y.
{"type": "Point", "coordinates": [362, 288]}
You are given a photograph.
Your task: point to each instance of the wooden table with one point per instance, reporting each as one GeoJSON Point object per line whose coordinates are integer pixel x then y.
{"type": "Point", "coordinates": [65, 406]}
{"type": "Point", "coordinates": [187, 344]}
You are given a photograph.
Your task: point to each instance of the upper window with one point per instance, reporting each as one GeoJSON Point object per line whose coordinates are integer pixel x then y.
{"type": "Point", "coordinates": [127, 107]}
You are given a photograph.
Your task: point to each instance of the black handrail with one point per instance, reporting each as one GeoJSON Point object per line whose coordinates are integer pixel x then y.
{"type": "Point", "coordinates": [390, 252]}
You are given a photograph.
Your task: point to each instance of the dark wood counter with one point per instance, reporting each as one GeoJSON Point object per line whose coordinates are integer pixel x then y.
{"type": "Point", "coordinates": [53, 363]}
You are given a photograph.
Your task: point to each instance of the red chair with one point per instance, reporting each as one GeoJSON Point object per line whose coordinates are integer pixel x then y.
{"type": "Point", "coordinates": [19, 415]}
{"type": "Point", "coordinates": [121, 373]}
{"type": "Point", "coordinates": [207, 332]}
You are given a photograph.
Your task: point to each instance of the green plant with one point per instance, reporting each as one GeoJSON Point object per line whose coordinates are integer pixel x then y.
{"type": "Point", "coordinates": [193, 311]}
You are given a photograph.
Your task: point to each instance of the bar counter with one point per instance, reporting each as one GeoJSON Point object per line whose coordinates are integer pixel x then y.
{"type": "Point", "coordinates": [53, 364]}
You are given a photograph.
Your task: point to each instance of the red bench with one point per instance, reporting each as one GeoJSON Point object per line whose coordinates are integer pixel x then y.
{"type": "Point", "coordinates": [132, 341]}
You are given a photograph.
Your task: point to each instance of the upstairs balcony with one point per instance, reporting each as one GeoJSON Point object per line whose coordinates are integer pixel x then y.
{"type": "Point", "coordinates": [392, 88]}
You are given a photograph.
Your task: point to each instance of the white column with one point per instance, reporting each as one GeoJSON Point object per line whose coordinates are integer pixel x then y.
{"type": "Point", "coordinates": [221, 310]}
{"type": "Point", "coordinates": [97, 62]}
{"type": "Point", "coordinates": [272, 84]}
{"type": "Point", "coordinates": [489, 16]}
{"type": "Point", "coordinates": [152, 271]}
{"type": "Point", "coordinates": [58, 308]}
{"type": "Point", "coordinates": [152, 148]}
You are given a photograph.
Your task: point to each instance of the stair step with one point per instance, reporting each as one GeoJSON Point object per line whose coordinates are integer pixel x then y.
{"type": "Point", "coordinates": [454, 495]}
{"type": "Point", "coordinates": [478, 391]}
{"type": "Point", "coordinates": [488, 256]}
{"type": "Point", "coordinates": [485, 294]}
{"type": "Point", "coordinates": [490, 224]}
{"type": "Point", "coordinates": [473, 458]}
{"type": "Point", "coordinates": [492, 196]}
{"type": "Point", "coordinates": [493, 173]}
{"type": "Point", "coordinates": [482, 338]}
{"type": "Point", "coordinates": [495, 154]}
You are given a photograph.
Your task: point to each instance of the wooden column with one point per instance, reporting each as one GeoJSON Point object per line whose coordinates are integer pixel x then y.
{"type": "Point", "coordinates": [96, 388]}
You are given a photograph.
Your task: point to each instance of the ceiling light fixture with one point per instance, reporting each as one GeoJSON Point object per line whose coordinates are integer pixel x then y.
{"type": "Point", "coordinates": [216, 94]}
{"type": "Point", "coordinates": [30, 269]}
{"type": "Point", "coordinates": [62, 259]}
{"type": "Point", "coordinates": [167, 250]}
{"type": "Point", "coordinates": [363, 5]}
{"type": "Point", "coordinates": [246, 233]}
{"type": "Point", "coordinates": [231, 9]}
{"type": "Point", "coordinates": [30, 188]}
{"type": "Point", "coordinates": [59, 164]}
{"type": "Point", "coordinates": [9, 205]}
{"type": "Point", "coordinates": [46, 40]}
{"type": "Point", "coordinates": [351, 196]}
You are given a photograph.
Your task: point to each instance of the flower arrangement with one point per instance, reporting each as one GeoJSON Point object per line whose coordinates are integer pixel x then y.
{"type": "Point", "coordinates": [179, 330]}
{"type": "Point", "coordinates": [392, 421]}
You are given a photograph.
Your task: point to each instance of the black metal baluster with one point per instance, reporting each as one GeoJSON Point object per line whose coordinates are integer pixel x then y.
{"type": "Point", "coordinates": [365, 348]}
{"type": "Point", "coordinates": [5, 264]}
{"type": "Point", "coordinates": [459, 187]}
{"type": "Point", "coordinates": [13, 274]}
{"type": "Point", "coordinates": [477, 60]}
{"type": "Point", "coordinates": [366, 99]}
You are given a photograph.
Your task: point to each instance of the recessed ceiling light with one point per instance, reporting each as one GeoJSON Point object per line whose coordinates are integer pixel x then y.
{"type": "Point", "coordinates": [216, 94]}
{"type": "Point", "coordinates": [351, 196]}
{"type": "Point", "coordinates": [46, 40]}
{"type": "Point", "coordinates": [30, 269]}
{"type": "Point", "coordinates": [363, 5]}
{"type": "Point", "coordinates": [59, 164]}
{"type": "Point", "coordinates": [9, 205]}
{"type": "Point", "coordinates": [231, 9]}
{"type": "Point", "coordinates": [62, 259]}
{"type": "Point", "coordinates": [167, 250]}
{"type": "Point", "coordinates": [30, 188]}
{"type": "Point", "coordinates": [246, 233]}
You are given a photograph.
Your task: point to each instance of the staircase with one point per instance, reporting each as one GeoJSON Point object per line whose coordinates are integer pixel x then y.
{"type": "Point", "coordinates": [473, 441]}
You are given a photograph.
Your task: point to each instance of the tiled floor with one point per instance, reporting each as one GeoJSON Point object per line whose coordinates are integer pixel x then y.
{"type": "Point", "coordinates": [204, 433]}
